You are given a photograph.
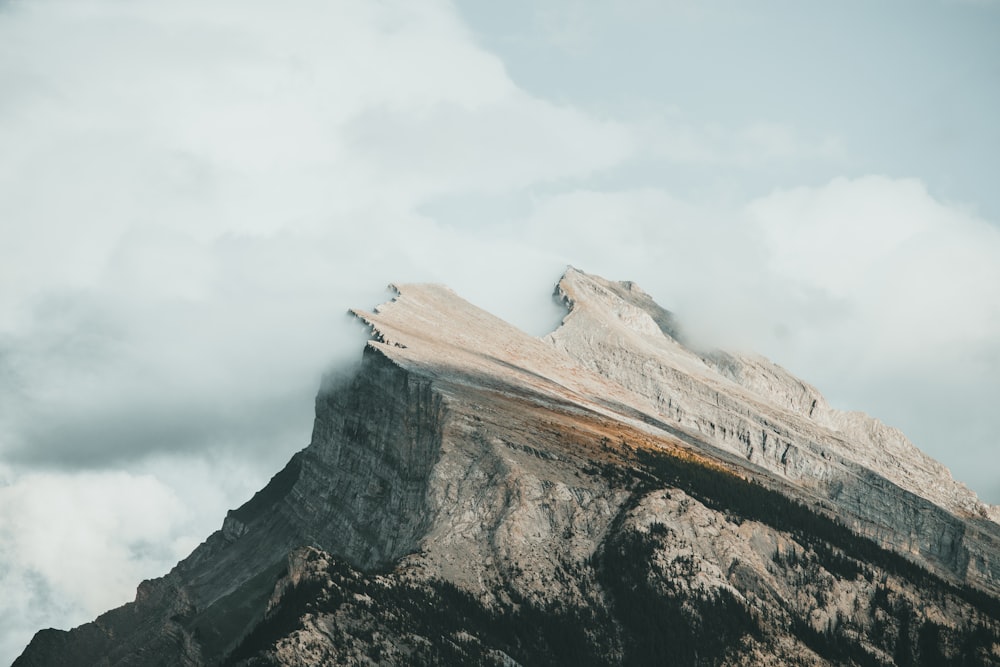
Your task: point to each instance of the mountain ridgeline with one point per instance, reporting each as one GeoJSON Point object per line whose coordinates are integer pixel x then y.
{"type": "Point", "coordinates": [606, 494]}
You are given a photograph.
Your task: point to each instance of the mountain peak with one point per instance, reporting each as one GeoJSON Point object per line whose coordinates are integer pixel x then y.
{"type": "Point", "coordinates": [603, 494]}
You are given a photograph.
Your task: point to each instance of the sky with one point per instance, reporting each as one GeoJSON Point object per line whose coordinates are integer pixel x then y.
{"type": "Point", "coordinates": [193, 193]}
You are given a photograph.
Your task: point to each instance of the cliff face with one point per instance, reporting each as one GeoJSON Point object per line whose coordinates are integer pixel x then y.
{"type": "Point", "coordinates": [606, 494]}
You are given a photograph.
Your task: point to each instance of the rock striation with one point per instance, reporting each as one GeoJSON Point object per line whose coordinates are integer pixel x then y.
{"type": "Point", "coordinates": [607, 494]}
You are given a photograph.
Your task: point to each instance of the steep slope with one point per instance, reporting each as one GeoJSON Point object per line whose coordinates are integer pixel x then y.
{"type": "Point", "coordinates": [755, 409]}
{"type": "Point", "coordinates": [606, 494]}
{"type": "Point", "coordinates": [642, 349]}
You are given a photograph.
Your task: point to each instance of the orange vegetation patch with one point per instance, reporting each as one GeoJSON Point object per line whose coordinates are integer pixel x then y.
{"type": "Point", "coordinates": [573, 432]}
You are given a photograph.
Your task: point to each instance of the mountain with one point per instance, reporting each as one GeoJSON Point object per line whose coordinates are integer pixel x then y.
{"type": "Point", "coordinates": [607, 494]}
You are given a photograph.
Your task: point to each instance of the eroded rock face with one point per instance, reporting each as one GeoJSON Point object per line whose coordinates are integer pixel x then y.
{"type": "Point", "coordinates": [866, 471]}
{"type": "Point", "coordinates": [603, 495]}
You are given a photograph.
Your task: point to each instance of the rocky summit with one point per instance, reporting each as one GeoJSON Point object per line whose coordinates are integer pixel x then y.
{"type": "Point", "coordinates": [607, 494]}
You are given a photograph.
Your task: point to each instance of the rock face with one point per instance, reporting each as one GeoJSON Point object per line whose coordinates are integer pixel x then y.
{"type": "Point", "coordinates": [605, 495]}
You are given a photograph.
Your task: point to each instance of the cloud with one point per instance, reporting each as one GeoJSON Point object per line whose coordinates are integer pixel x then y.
{"type": "Point", "coordinates": [218, 172]}
{"type": "Point", "coordinates": [76, 544]}
{"type": "Point", "coordinates": [920, 275]}
{"type": "Point", "coordinates": [447, 149]}
{"type": "Point", "coordinates": [171, 127]}
{"type": "Point", "coordinates": [73, 546]}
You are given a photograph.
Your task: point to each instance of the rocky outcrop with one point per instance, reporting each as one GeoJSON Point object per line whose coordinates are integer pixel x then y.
{"type": "Point", "coordinates": [607, 494]}
{"type": "Point", "coordinates": [868, 473]}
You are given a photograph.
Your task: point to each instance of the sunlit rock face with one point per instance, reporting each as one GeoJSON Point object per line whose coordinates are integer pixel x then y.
{"type": "Point", "coordinates": [606, 494]}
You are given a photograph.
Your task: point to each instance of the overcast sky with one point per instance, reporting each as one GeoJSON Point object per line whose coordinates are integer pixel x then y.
{"type": "Point", "coordinates": [193, 192]}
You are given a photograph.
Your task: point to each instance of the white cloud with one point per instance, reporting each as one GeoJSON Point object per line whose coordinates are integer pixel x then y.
{"type": "Point", "coordinates": [75, 545]}
{"type": "Point", "coordinates": [182, 180]}
{"type": "Point", "coordinates": [918, 275]}
{"type": "Point", "coordinates": [513, 143]}
{"type": "Point", "coordinates": [170, 126]}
